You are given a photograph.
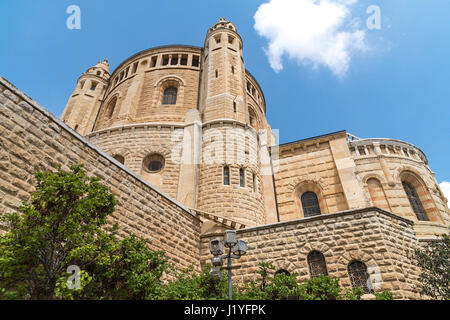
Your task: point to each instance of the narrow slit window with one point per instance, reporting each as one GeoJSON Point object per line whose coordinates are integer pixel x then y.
{"type": "Point", "coordinates": [135, 66]}
{"type": "Point", "coordinates": [153, 62]}
{"type": "Point", "coordinates": [242, 177]}
{"type": "Point", "coordinates": [195, 61]}
{"type": "Point", "coordinates": [93, 86]}
{"type": "Point", "coordinates": [174, 60]}
{"type": "Point", "coordinates": [226, 176]}
{"type": "Point", "coordinates": [165, 60]}
{"type": "Point", "coordinates": [184, 59]}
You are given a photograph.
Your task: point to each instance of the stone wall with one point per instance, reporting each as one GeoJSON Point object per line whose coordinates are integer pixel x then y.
{"type": "Point", "coordinates": [236, 146]}
{"type": "Point", "coordinates": [32, 139]}
{"type": "Point", "coordinates": [135, 142]}
{"type": "Point", "coordinates": [308, 166]}
{"type": "Point", "coordinates": [385, 242]}
{"type": "Point", "coordinates": [389, 165]}
{"type": "Point", "coordinates": [139, 95]}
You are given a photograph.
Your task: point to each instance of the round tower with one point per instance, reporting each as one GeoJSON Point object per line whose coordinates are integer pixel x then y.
{"type": "Point", "coordinates": [229, 176]}
{"type": "Point", "coordinates": [82, 106]}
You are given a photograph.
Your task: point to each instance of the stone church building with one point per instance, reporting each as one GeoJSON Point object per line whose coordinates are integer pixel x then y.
{"type": "Point", "coordinates": [179, 133]}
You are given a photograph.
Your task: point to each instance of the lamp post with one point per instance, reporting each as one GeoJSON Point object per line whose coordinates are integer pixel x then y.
{"type": "Point", "coordinates": [237, 247]}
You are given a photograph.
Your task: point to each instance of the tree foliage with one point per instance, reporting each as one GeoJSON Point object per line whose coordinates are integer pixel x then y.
{"type": "Point", "coordinates": [192, 286]}
{"type": "Point", "coordinates": [434, 262]}
{"type": "Point", "coordinates": [62, 226]}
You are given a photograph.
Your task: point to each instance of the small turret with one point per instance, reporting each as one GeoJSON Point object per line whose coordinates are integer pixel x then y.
{"type": "Point", "coordinates": [223, 94]}
{"type": "Point", "coordinates": [82, 107]}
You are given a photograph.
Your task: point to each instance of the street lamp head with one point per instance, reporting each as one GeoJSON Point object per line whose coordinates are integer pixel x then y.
{"type": "Point", "coordinates": [230, 238]}
{"type": "Point", "coordinates": [216, 247]}
{"type": "Point", "coordinates": [217, 261]}
{"type": "Point", "coordinates": [240, 248]}
{"type": "Point", "coordinates": [215, 274]}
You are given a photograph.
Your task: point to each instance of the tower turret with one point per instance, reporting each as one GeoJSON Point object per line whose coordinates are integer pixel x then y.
{"type": "Point", "coordinates": [82, 107]}
{"type": "Point", "coordinates": [229, 176]}
{"type": "Point", "coordinates": [223, 76]}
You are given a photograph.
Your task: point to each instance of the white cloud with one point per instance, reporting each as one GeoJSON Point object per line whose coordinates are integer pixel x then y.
{"type": "Point", "coordinates": [311, 32]}
{"type": "Point", "coordinates": [445, 187]}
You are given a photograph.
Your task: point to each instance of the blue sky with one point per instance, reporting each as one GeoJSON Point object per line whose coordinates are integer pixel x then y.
{"type": "Point", "coordinates": [397, 86]}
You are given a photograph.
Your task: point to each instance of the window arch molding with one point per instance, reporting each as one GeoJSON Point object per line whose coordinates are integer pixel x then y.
{"type": "Point", "coordinates": [309, 186]}
{"type": "Point", "coordinates": [110, 107]}
{"type": "Point", "coordinates": [166, 82]}
{"type": "Point", "coordinates": [254, 117]}
{"type": "Point", "coordinates": [283, 264]}
{"type": "Point", "coordinates": [376, 191]}
{"type": "Point", "coordinates": [423, 194]}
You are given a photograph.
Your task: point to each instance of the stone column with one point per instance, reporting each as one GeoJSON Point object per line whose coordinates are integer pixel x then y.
{"type": "Point", "coordinates": [383, 164]}
{"type": "Point", "coordinates": [190, 160]}
{"type": "Point", "coordinates": [345, 166]}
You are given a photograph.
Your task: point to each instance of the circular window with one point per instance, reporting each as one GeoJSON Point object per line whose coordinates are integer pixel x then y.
{"type": "Point", "coordinates": [153, 163]}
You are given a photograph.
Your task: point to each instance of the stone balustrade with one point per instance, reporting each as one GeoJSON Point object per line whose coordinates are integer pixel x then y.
{"type": "Point", "coordinates": [388, 147]}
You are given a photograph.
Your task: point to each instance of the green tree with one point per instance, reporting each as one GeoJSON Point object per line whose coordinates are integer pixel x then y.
{"type": "Point", "coordinates": [191, 286]}
{"type": "Point", "coordinates": [434, 261]}
{"type": "Point", "coordinates": [62, 226]}
{"type": "Point", "coordinates": [280, 286]}
{"type": "Point", "coordinates": [321, 288]}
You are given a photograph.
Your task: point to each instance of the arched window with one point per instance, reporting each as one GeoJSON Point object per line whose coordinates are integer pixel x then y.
{"type": "Point", "coordinates": [226, 176]}
{"type": "Point", "coordinates": [242, 177]}
{"type": "Point", "coordinates": [119, 158]}
{"type": "Point", "coordinates": [310, 204]}
{"type": "Point", "coordinates": [316, 263]}
{"type": "Point", "coordinates": [111, 107]}
{"type": "Point", "coordinates": [357, 271]}
{"type": "Point", "coordinates": [414, 201]}
{"type": "Point", "coordinates": [282, 271]}
{"type": "Point", "coordinates": [170, 95]}
{"type": "Point", "coordinates": [252, 118]}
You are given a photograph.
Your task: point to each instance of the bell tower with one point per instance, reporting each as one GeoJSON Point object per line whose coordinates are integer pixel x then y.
{"type": "Point", "coordinates": [81, 109]}
{"type": "Point", "coordinates": [229, 172]}
{"type": "Point", "coordinates": [223, 77]}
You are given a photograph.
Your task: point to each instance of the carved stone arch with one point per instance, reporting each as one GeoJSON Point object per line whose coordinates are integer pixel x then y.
{"type": "Point", "coordinates": [373, 175]}
{"type": "Point", "coordinates": [316, 246]}
{"type": "Point", "coordinates": [254, 112]}
{"type": "Point", "coordinates": [106, 114]}
{"type": "Point", "coordinates": [283, 264]}
{"type": "Point", "coordinates": [404, 169]}
{"type": "Point", "coordinates": [159, 149]}
{"type": "Point", "coordinates": [169, 77]}
{"type": "Point", "coordinates": [300, 185]}
{"type": "Point", "coordinates": [355, 255]}
{"type": "Point", "coordinates": [294, 183]}
{"type": "Point", "coordinates": [124, 152]}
